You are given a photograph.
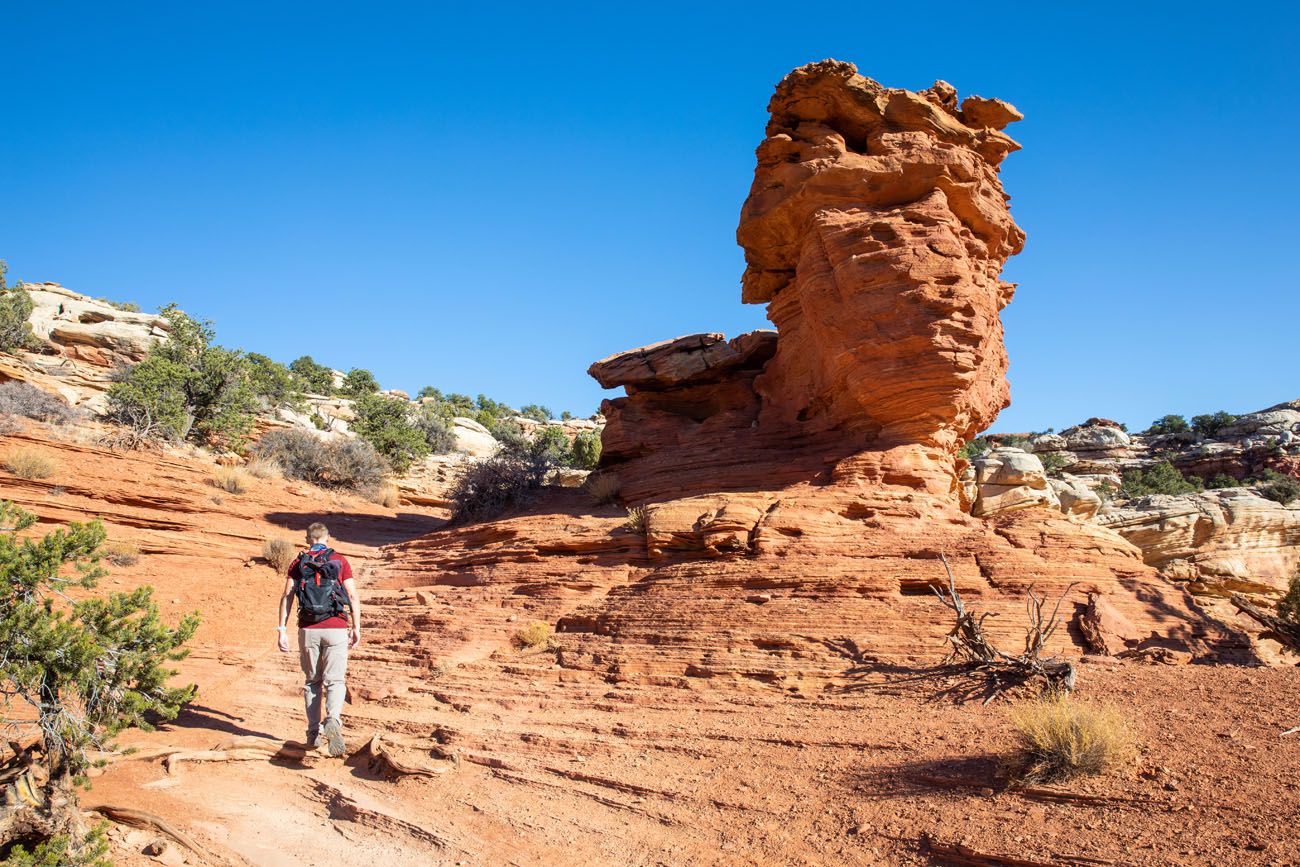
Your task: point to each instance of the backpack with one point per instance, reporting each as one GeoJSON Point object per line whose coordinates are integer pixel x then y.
{"type": "Point", "coordinates": [319, 591]}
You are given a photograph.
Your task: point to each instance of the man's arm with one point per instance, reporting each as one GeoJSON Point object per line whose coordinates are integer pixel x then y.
{"type": "Point", "coordinates": [354, 601]}
{"type": "Point", "coordinates": [286, 603]}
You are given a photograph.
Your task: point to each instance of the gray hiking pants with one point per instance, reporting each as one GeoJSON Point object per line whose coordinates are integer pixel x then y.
{"type": "Point", "coordinates": [324, 657]}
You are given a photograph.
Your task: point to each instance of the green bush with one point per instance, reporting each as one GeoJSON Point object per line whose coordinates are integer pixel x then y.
{"type": "Point", "coordinates": [1221, 480]}
{"type": "Point", "coordinates": [273, 383]}
{"type": "Point", "coordinates": [436, 428]}
{"type": "Point", "coordinates": [585, 451]}
{"type": "Point", "coordinates": [1289, 608]}
{"type": "Point", "coordinates": [1274, 486]}
{"type": "Point", "coordinates": [389, 424]}
{"type": "Point", "coordinates": [1161, 478]}
{"type": "Point", "coordinates": [535, 412]}
{"type": "Point", "coordinates": [188, 387]}
{"type": "Point", "coordinates": [15, 310]}
{"type": "Point", "coordinates": [430, 391]}
{"type": "Point", "coordinates": [313, 378]}
{"type": "Point", "coordinates": [1210, 425]}
{"type": "Point", "coordinates": [59, 851]}
{"type": "Point", "coordinates": [1169, 424]}
{"type": "Point", "coordinates": [359, 382]}
{"type": "Point", "coordinates": [975, 448]}
{"type": "Point", "coordinates": [1054, 463]}
{"type": "Point", "coordinates": [87, 668]}
{"type": "Point", "coordinates": [339, 463]}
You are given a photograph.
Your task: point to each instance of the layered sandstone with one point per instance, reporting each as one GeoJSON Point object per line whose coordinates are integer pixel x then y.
{"type": "Point", "coordinates": [798, 488]}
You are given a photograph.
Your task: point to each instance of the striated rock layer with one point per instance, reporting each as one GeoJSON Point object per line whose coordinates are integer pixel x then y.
{"type": "Point", "coordinates": [799, 486]}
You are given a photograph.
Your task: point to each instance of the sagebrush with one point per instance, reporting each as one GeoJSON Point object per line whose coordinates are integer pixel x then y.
{"type": "Point", "coordinates": [26, 400]}
{"type": "Point", "coordinates": [535, 635]}
{"type": "Point", "coordinates": [279, 553]}
{"type": "Point", "coordinates": [232, 480]}
{"type": "Point", "coordinates": [505, 481]}
{"type": "Point", "coordinates": [29, 463]}
{"type": "Point", "coordinates": [328, 463]}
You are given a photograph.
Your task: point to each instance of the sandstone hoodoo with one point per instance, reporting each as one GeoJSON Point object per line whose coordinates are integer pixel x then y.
{"type": "Point", "coordinates": [793, 491]}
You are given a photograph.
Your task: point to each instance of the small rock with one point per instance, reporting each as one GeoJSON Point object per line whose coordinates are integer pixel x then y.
{"type": "Point", "coordinates": [759, 598]}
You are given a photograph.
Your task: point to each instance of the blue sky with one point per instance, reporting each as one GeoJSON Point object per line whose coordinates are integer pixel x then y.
{"type": "Point", "coordinates": [488, 197]}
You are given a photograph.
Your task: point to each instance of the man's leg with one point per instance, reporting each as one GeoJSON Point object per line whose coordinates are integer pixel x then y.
{"type": "Point", "coordinates": [334, 669]}
{"type": "Point", "coordinates": [309, 654]}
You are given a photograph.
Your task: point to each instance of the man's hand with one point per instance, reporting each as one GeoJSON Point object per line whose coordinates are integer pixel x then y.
{"type": "Point", "coordinates": [356, 636]}
{"type": "Point", "coordinates": [283, 641]}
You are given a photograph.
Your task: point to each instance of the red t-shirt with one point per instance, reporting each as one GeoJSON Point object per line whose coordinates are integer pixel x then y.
{"type": "Point", "coordinates": [338, 621]}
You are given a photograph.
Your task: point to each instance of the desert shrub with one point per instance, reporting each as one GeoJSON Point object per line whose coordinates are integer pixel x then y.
{"type": "Point", "coordinates": [584, 454]}
{"type": "Point", "coordinates": [638, 519]}
{"type": "Point", "coordinates": [264, 468]}
{"type": "Point", "coordinates": [85, 669]}
{"type": "Point", "coordinates": [390, 425]}
{"type": "Point", "coordinates": [188, 387]}
{"type": "Point", "coordinates": [28, 463]}
{"type": "Point", "coordinates": [232, 480]}
{"type": "Point", "coordinates": [121, 553]}
{"type": "Point", "coordinates": [342, 463]}
{"type": "Point", "coordinates": [10, 424]}
{"type": "Point", "coordinates": [1289, 608]}
{"type": "Point", "coordinates": [312, 377]}
{"type": "Point", "coordinates": [273, 383]}
{"type": "Point", "coordinates": [15, 310]}
{"type": "Point", "coordinates": [535, 412]}
{"type": "Point", "coordinates": [1169, 424]}
{"type": "Point", "coordinates": [429, 391]}
{"type": "Point", "coordinates": [279, 553]}
{"type": "Point", "coordinates": [975, 447]}
{"type": "Point", "coordinates": [433, 424]}
{"type": "Point", "coordinates": [460, 405]}
{"type": "Point", "coordinates": [566, 416]}
{"type": "Point", "coordinates": [1010, 441]}
{"type": "Point", "coordinates": [318, 421]}
{"type": "Point", "coordinates": [1161, 478]}
{"type": "Point", "coordinates": [1105, 491]}
{"type": "Point", "coordinates": [359, 382]}
{"type": "Point", "coordinates": [535, 635]}
{"type": "Point", "coordinates": [1054, 463]}
{"type": "Point", "coordinates": [1210, 425]}
{"type": "Point", "coordinates": [602, 487]}
{"type": "Point", "coordinates": [124, 306]}
{"type": "Point", "coordinates": [554, 443]}
{"type": "Point", "coordinates": [1221, 480]}
{"type": "Point", "coordinates": [1274, 486]}
{"type": "Point", "coordinates": [59, 851]}
{"type": "Point", "coordinates": [505, 481]}
{"type": "Point", "coordinates": [28, 401]}
{"type": "Point", "coordinates": [1062, 737]}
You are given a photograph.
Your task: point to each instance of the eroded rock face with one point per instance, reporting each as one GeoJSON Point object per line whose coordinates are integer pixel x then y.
{"type": "Point", "coordinates": [794, 490]}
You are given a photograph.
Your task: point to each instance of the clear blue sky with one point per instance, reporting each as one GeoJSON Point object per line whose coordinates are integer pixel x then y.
{"type": "Point", "coordinates": [487, 197]}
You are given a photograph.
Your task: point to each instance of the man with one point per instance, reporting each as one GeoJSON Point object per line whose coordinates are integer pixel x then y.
{"type": "Point", "coordinates": [321, 580]}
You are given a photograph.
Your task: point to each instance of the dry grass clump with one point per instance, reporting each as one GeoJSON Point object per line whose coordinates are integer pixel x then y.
{"type": "Point", "coordinates": [602, 487]}
{"type": "Point", "coordinates": [386, 495]}
{"type": "Point", "coordinates": [121, 554]}
{"type": "Point", "coordinates": [638, 519]}
{"type": "Point", "coordinates": [536, 635]}
{"type": "Point", "coordinates": [279, 553]}
{"type": "Point", "coordinates": [232, 480]}
{"type": "Point", "coordinates": [265, 468]}
{"type": "Point", "coordinates": [28, 463]}
{"type": "Point", "coordinates": [1062, 737]}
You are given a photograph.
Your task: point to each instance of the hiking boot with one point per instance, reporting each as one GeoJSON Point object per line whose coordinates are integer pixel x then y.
{"type": "Point", "coordinates": [333, 735]}
{"type": "Point", "coordinates": [315, 741]}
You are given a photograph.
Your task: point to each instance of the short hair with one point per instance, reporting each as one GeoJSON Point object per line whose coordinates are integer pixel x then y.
{"type": "Point", "coordinates": [317, 531]}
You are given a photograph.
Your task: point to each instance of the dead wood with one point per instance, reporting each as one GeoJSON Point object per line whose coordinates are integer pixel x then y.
{"type": "Point", "coordinates": [381, 758]}
{"type": "Point", "coordinates": [1283, 630]}
{"type": "Point", "coordinates": [141, 819]}
{"type": "Point", "coordinates": [970, 647]}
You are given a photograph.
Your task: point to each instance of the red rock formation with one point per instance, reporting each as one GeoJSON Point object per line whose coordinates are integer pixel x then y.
{"type": "Point", "coordinates": [800, 485]}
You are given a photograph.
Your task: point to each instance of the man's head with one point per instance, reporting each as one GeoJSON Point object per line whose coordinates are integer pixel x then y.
{"type": "Point", "coordinates": [317, 534]}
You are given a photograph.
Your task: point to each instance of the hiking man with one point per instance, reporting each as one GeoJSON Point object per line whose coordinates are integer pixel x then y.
{"type": "Point", "coordinates": [321, 580]}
